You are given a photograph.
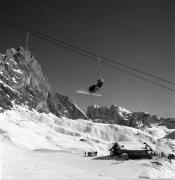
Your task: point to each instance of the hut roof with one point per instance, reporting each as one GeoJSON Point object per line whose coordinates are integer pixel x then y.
{"type": "Point", "coordinates": [131, 145]}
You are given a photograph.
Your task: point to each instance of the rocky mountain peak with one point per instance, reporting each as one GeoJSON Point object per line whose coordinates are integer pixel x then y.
{"type": "Point", "coordinates": [23, 82]}
{"type": "Point", "coordinates": [113, 114]}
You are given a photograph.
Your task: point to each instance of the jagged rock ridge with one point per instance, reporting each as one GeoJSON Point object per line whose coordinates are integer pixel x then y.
{"type": "Point", "coordinates": [22, 81]}
{"type": "Point", "coordinates": [114, 114]}
{"type": "Point", "coordinates": [119, 115]}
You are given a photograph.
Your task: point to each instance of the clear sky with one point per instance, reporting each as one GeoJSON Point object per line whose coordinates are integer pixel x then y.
{"type": "Point", "coordinates": [138, 33]}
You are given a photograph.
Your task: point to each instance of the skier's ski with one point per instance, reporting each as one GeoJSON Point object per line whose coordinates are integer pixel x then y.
{"type": "Point", "coordinates": [88, 93]}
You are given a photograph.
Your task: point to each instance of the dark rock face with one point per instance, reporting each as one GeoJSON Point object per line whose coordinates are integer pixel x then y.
{"type": "Point", "coordinates": [144, 119]}
{"type": "Point", "coordinates": [118, 115]}
{"type": "Point", "coordinates": [113, 115]}
{"type": "Point", "coordinates": [22, 82]}
{"type": "Point", "coordinates": [62, 105]}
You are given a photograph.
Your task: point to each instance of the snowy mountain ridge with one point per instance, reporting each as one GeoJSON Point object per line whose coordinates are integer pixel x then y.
{"type": "Point", "coordinates": [118, 115]}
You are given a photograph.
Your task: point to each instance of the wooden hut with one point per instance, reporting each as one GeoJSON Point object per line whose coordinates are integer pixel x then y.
{"type": "Point", "coordinates": [132, 149]}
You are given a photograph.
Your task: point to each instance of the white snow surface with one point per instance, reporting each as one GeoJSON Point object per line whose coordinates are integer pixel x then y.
{"type": "Point", "coordinates": [34, 130]}
{"type": "Point", "coordinates": [123, 110]}
{"type": "Point", "coordinates": [42, 146]}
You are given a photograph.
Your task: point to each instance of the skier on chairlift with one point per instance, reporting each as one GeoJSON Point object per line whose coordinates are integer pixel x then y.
{"type": "Point", "coordinates": [94, 88]}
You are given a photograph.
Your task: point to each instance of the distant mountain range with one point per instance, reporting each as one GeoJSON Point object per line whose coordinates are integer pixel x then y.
{"type": "Point", "coordinates": [119, 115]}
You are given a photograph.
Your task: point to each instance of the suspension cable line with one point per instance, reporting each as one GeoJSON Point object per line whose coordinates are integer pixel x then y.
{"type": "Point", "coordinates": [90, 53]}
{"type": "Point", "coordinates": [75, 50]}
{"type": "Point", "coordinates": [27, 38]}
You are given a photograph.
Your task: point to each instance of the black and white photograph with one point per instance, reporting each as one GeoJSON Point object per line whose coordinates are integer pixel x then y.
{"type": "Point", "coordinates": [87, 89]}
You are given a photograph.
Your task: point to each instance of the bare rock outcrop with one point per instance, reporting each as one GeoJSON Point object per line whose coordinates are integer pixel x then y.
{"type": "Point", "coordinates": [113, 115]}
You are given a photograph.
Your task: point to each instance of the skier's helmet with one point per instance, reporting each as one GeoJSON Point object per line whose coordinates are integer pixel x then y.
{"type": "Point", "coordinates": [101, 80]}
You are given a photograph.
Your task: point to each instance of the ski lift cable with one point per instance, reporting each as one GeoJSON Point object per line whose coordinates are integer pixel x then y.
{"type": "Point", "coordinates": [140, 71]}
{"type": "Point", "coordinates": [111, 60]}
{"type": "Point", "coordinates": [51, 41]}
{"type": "Point", "coordinates": [27, 40]}
{"type": "Point", "coordinates": [91, 58]}
{"type": "Point", "coordinates": [92, 53]}
{"type": "Point", "coordinates": [100, 68]}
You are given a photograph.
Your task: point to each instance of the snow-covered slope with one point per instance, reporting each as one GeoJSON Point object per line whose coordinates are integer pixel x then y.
{"type": "Point", "coordinates": [165, 137]}
{"type": "Point", "coordinates": [42, 146]}
{"type": "Point", "coordinates": [34, 130]}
